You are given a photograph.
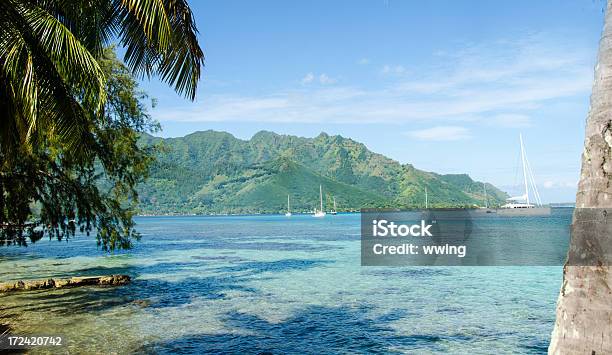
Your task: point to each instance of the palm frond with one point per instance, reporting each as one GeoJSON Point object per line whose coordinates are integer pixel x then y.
{"type": "Point", "coordinates": [153, 19]}
{"type": "Point", "coordinates": [46, 69]}
{"type": "Point", "coordinates": [175, 55]}
{"type": "Point", "coordinates": [184, 60]}
{"type": "Point", "coordinates": [72, 60]}
{"type": "Point", "coordinates": [49, 52]}
{"type": "Point", "coordinates": [94, 23]}
{"type": "Point", "coordinates": [22, 87]}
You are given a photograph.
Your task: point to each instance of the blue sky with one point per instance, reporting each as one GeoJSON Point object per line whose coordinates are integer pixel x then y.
{"type": "Point", "coordinates": [444, 85]}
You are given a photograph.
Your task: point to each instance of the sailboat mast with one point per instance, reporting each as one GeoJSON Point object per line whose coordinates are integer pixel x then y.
{"type": "Point", "coordinates": [288, 206]}
{"type": "Point", "coordinates": [484, 186]}
{"type": "Point", "coordinates": [321, 196]}
{"type": "Point", "coordinates": [426, 198]}
{"type": "Point", "coordinates": [524, 167]}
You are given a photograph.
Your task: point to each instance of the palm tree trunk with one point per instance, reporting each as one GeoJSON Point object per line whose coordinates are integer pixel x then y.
{"type": "Point", "coordinates": [584, 307]}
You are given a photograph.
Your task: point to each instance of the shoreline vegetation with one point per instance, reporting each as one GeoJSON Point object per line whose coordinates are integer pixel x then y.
{"type": "Point", "coordinates": [74, 111]}
{"type": "Point", "coordinates": [307, 213]}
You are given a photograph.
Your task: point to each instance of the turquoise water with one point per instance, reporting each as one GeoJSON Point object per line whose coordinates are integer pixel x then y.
{"type": "Point", "coordinates": [257, 284]}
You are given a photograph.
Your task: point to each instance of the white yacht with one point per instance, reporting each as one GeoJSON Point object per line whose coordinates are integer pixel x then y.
{"type": "Point", "coordinates": [288, 214]}
{"type": "Point", "coordinates": [334, 211]}
{"type": "Point", "coordinates": [525, 204]}
{"type": "Point", "coordinates": [320, 213]}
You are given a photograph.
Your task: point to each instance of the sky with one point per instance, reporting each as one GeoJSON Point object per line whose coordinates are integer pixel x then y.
{"type": "Point", "coordinates": [444, 85]}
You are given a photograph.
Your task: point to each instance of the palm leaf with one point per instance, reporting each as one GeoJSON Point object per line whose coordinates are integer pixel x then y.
{"type": "Point", "coordinates": [175, 54]}
{"type": "Point", "coordinates": [92, 22]}
{"type": "Point", "coordinates": [48, 51]}
{"type": "Point", "coordinates": [47, 68]}
{"type": "Point", "coordinates": [22, 85]}
{"type": "Point", "coordinates": [72, 60]}
{"type": "Point", "coordinates": [183, 62]}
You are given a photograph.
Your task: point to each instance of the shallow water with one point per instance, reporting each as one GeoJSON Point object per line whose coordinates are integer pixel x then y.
{"type": "Point", "coordinates": [272, 284]}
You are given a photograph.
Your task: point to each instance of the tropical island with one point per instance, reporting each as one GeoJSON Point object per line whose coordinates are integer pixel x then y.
{"type": "Point", "coordinates": [213, 172]}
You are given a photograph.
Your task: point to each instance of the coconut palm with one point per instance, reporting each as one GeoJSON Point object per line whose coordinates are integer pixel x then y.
{"type": "Point", "coordinates": [584, 308]}
{"type": "Point", "coordinates": [50, 80]}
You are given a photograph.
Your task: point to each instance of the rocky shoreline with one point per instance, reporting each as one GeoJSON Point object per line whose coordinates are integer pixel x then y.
{"type": "Point", "coordinates": [28, 285]}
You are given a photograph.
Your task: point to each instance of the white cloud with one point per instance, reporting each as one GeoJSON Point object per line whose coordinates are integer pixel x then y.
{"type": "Point", "coordinates": [363, 61]}
{"type": "Point", "coordinates": [308, 78]}
{"type": "Point", "coordinates": [500, 82]}
{"type": "Point", "coordinates": [441, 133]}
{"type": "Point", "coordinates": [509, 120]}
{"type": "Point", "coordinates": [550, 184]}
{"type": "Point", "coordinates": [325, 79]}
{"type": "Point", "coordinates": [393, 69]}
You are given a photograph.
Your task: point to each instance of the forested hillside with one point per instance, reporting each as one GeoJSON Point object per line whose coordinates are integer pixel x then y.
{"type": "Point", "coordinates": [214, 172]}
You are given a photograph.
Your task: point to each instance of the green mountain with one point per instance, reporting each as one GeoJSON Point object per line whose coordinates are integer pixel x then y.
{"type": "Point", "coordinates": [215, 172]}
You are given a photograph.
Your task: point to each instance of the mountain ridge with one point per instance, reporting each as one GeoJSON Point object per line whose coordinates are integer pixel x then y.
{"type": "Point", "coordinates": [212, 172]}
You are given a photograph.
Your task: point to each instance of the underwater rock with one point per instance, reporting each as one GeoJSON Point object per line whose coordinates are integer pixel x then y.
{"type": "Point", "coordinates": [142, 303]}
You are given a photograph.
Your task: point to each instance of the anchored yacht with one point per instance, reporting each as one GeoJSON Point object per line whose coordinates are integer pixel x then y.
{"type": "Point", "coordinates": [288, 214]}
{"type": "Point", "coordinates": [523, 204]}
{"type": "Point", "coordinates": [320, 213]}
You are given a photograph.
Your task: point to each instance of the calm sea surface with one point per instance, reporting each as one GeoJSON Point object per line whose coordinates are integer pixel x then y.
{"type": "Point", "coordinates": [271, 284]}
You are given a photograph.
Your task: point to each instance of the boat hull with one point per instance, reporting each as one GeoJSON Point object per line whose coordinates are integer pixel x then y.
{"type": "Point", "coordinates": [521, 212]}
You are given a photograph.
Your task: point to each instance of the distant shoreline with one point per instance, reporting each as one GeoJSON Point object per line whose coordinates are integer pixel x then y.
{"type": "Point", "coordinates": [239, 214]}
{"type": "Point", "coordinates": [281, 214]}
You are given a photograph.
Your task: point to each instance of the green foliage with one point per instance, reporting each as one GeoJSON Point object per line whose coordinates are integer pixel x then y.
{"type": "Point", "coordinates": [52, 190]}
{"type": "Point", "coordinates": [52, 81]}
{"type": "Point", "coordinates": [214, 172]}
{"type": "Point", "coordinates": [72, 113]}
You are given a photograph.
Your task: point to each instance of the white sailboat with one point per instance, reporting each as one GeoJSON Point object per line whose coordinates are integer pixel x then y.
{"type": "Point", "coordinates": [486, 208]}
{"type": "Point", "coordinates": [334, 210]}
{"type": "Point", "coordinates": [523, 203]}
{"type": "Point", "coordinates": [486, 199]}
{"type": "Point", "coordinates": [320, 213]}
{"type": "Point", "coordinates": [288, 214]}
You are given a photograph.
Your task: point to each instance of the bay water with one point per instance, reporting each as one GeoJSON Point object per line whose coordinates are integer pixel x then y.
{"type": "Point", "coordinates": [272, 284]}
